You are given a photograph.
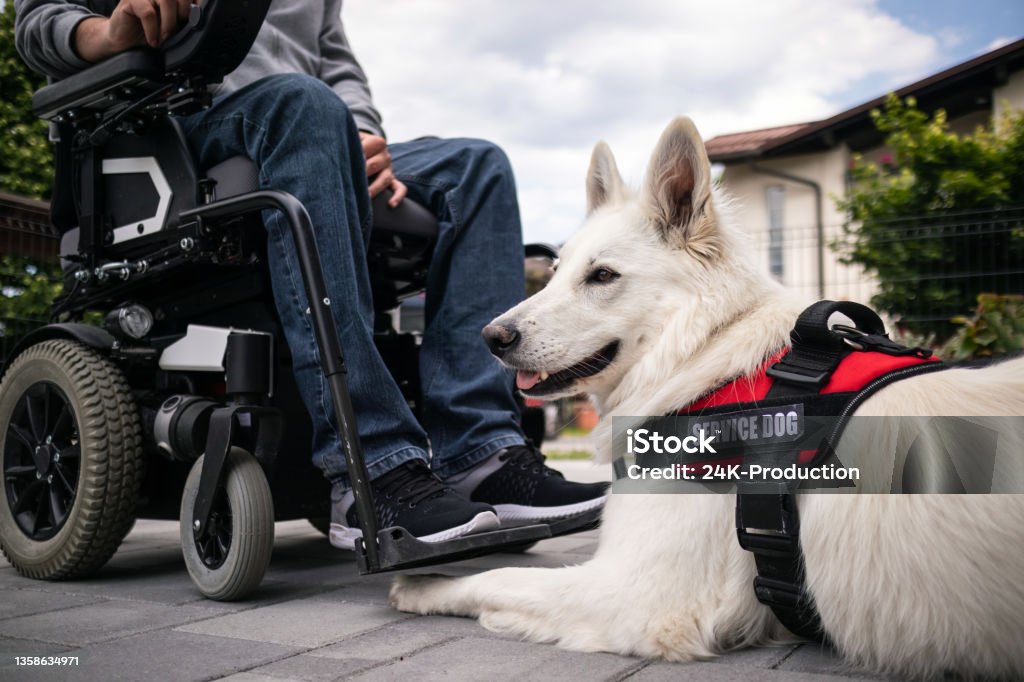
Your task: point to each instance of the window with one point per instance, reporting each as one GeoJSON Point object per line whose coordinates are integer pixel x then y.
{"type": "Point", "coordinates": [776, 198]}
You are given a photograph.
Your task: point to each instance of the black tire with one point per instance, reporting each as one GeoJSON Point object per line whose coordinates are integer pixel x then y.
{"type": "Point", "coordinates": [229, 562]}
{"type": "Point", "coordinates": [321, 523]}
{"type": "Point", "coordinates": [94, 423]}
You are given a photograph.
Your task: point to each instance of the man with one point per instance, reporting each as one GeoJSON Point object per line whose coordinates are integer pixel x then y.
{"type": "Point", "coordinates": [300, 107]}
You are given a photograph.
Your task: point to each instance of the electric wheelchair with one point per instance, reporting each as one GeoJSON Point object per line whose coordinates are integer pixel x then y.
{"type": "Point", "coordinates": [176, 406]}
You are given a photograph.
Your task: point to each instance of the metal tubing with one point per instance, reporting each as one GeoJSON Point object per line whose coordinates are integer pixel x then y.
{"type": "Point", "coordinates": [331, 359]}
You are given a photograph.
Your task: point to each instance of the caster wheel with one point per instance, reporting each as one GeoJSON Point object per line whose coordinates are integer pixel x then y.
{"type": "Point", "coordinates": [228, 560]}
{"type": "Point", "coordinates": [71, 455]}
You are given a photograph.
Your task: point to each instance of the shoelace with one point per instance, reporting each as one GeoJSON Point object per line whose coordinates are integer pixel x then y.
{"type": "Point", "coordinates": [528, 457]}
{"type": "Point", "coordinates": [411, 482]}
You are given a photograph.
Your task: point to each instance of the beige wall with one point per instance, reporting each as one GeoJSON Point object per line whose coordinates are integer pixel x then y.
{"type": "Point", "coordinates": [749, 189]}
{"type": "Point", "coordinates": [1009, 96]}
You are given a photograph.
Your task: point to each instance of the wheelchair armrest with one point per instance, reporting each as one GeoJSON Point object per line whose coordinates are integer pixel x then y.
{"type": "Point", "coordinates": [408, 219]}
{"type": "Point", "coordinates": [92, 87]}
{"type": "Point", "coordinates": [215, 41]}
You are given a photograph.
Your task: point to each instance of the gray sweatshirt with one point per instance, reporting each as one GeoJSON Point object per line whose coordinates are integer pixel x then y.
{"type": "Point", "coordinates": [298, 36]}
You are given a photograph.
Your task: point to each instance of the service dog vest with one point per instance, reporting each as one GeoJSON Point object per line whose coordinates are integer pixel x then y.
{"type": "Point", "coordinates": [827, 372]}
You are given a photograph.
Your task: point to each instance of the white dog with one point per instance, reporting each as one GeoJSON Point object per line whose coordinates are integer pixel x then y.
{"type": "Point", "coordinates": [652, 305]}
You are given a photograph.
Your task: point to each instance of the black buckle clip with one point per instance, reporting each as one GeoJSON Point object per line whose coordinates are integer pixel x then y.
{"type": "Point", "coordinates": [779, 371]}
{"type": "Point", "coordinates": [775, 517]}
{"type": "Point", "coordinates": [767, 544]}
{"type": "Point", "coordinates": [862, 341]}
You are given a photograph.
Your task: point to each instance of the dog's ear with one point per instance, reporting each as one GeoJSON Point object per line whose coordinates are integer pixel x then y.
{"type": "Point", "coordinates": [678, 186]}
{"type": "Point", "coordinates": [604, 183]}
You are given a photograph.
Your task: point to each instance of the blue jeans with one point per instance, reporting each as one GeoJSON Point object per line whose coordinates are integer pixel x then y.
{"type": "Point", "coordinates": [304, 141]}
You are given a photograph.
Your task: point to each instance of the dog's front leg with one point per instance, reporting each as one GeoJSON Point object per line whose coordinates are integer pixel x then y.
{"type": "Point", "coordinates": [667, 580]}
{"type": "Point", "coordinates": [539, 604]}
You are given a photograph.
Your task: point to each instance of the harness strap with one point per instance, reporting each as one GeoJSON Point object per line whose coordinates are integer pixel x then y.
{"type": "Point", "coordinates": [768, 525]}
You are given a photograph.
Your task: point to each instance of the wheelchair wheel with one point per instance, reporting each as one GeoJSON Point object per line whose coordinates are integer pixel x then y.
{"type": "Point", "coordinates": [229, 559]}
{"type": "Point", "coordinates": [71, 454]}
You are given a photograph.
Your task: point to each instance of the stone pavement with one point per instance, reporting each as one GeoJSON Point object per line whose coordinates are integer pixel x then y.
{"type": "Point", "coordinates": [313, 619]}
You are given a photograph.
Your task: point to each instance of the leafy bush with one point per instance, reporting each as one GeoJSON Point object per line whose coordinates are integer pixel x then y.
{"type": "Point", "coordinates": [26, 158]}
{"type": "Point", "coordinates": [996, 328]}
{"type": "Point", "coordinates": [907, 222]}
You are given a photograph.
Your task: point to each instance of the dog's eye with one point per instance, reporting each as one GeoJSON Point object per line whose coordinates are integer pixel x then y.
{"type": "Point", "coordinates": [602, 276]}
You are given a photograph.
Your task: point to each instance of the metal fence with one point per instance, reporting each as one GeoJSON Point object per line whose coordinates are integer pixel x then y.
{"type": "Point", "coordinates": [933, 266]}
{"type": "Point", "coordinates": [24, 245]}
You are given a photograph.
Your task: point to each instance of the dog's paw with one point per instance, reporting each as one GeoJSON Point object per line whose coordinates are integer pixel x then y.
{"type": "Point", "coordinates": [414, 593]}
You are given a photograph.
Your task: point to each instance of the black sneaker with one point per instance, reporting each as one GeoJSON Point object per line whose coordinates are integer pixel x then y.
{"type": "Point", "coordinates": [523, 489]}
{"type": "Point", "coordinates": [411, 496]}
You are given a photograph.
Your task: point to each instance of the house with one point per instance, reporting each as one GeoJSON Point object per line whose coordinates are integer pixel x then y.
{"type": "Point", "coordinates": [785, 179]}
{"type": "Point", "coordinates": [25, 229]}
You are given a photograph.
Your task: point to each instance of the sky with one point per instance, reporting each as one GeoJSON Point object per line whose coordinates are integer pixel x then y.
{"type": "Point", "coordinates": [547, 79]}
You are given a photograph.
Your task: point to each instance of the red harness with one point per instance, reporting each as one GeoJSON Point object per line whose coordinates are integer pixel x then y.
{"type": "Point", "coordinates": [854, 372]}
{"type": "Point", "coordinates": [828, 371]}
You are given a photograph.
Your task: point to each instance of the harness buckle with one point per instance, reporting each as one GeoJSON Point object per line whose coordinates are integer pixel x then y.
{"type": "Point", "coordinates": [815, 381]}
{"type": "Point", "coordinates": [863, 341]}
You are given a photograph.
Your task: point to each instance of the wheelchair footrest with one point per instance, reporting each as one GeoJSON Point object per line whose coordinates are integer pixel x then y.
{"type": "Point", "coordinates": [397, 549]}
{"type": "Point", "coordinates": [577, 524]}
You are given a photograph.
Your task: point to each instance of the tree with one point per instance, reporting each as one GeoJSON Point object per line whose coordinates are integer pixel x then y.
{"type": "Point", "coordinates": [931, 221]}
{"type": "Point", "coordinates": [26, 158]}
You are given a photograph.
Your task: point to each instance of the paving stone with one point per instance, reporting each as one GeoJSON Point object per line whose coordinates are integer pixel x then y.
{"type": "Point", "coordinates": [815, 658]}
{"type": "Point", "coordinates": [14, 603]}
{"type": "Point", "coordinates": [309, 622]}
{"type": "Point", "coordinates": [313, 669]}
{"type": "Point", "coordinates": [758, 657]}
{"type": "Point", "coordinates": [169, 656]}
{"type": "Point", "coordinates": [9, 578]}
{"type": "Point", "coordinates": [407, 637]}
{"type": "Point", "coordinates": [256, 677]}
{"type": "Point", "coordinates": [495, 659]}
{"type": "Point", "coordinates": [167, 584]}
{"type": "Point", "coordinates": [715, 672]}
{"type": "Point", "coordinates": [102, 621]}
{"type": "Point", "coordinates": [10, 648]}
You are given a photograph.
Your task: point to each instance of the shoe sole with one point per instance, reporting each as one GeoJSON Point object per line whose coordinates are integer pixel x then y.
{"type": "Point", "coordinates": [344, 537]}
{"type": "Point", "coordinates": [521, 513]}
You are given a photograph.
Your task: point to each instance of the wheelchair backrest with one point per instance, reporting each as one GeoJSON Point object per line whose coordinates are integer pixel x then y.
{"type": "Point", "coordinates": [121, 156]}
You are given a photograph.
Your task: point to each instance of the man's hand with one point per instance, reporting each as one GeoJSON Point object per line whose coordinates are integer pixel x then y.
{"type": "Point", "coordinates": [133, 23]}
{"type": "Point", "coordinates": [378, 168]}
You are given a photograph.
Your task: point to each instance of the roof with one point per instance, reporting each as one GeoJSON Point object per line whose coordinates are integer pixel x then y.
{"type": "Point", "coordinates": [750, 141]}
{"type": "Point", "coordinates": [959, 89]}
{"type": "Point", "coordinates": [25, 215]}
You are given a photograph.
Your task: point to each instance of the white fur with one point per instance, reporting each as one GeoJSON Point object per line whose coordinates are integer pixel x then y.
{"type": "Point", "coordinates": [913, 585]}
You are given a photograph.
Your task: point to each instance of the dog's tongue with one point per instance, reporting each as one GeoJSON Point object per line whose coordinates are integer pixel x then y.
{"type": "Point", "coordinates": [526, 380]}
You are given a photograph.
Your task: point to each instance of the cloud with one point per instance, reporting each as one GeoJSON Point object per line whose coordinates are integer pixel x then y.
{"type": "Point", "coordinates": [546, 80]}
{"type": "Point", "coordinates": [998, 43]}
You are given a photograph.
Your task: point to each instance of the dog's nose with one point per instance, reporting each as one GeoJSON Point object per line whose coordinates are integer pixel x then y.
{"type": "Point", "coordinates": [500, 339]}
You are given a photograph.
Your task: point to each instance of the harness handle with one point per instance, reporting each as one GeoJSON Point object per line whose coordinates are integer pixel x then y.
{"type": "Point", "coordinates": [812, 330]}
